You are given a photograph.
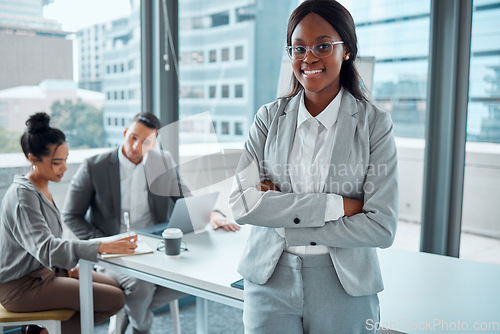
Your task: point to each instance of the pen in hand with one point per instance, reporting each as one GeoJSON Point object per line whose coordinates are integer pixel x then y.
{"type": "Point", "coordinates": [126, 220]}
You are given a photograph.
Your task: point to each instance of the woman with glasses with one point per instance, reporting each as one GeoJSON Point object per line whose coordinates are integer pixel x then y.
{"type": "Point", "coordinates": [317, 180]}
{"type": "Point", "coordinates": [37, 267]}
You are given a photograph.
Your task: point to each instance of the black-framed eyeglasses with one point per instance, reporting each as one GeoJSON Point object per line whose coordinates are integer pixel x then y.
{"type": "Point", "coordinates": [320, 50]}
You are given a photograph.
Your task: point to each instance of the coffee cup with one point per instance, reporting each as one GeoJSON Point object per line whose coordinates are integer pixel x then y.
{"type": "Point", "coordinates": [172, 238]}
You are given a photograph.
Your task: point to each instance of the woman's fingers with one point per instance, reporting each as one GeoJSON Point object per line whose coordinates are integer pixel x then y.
{"type": "Point", "coordinates": [126, 245]}
{"type": "Point", "coordinates": [267, 185]}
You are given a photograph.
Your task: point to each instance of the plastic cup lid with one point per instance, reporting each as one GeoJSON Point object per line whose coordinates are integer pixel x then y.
{"type": "Point", "coordinates": [171, 233]}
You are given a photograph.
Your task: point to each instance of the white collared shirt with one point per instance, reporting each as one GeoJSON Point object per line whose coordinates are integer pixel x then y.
{"type": "Point", "coordinates": [310, 160]}
{"type": "Point", "coordinates": [134, 193]}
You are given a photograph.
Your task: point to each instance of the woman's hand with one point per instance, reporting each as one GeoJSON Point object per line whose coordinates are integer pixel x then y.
{"type": "Point", "coordinates": [74, 272]}
{"type": "Point", "coordinates": [125, 245]}
{"type": "Point", "coordinates": [352, 206]}
{"type": "Point", "coordinates": [218, 220]}
{"type": "Point", "coordinates": [266, 185]}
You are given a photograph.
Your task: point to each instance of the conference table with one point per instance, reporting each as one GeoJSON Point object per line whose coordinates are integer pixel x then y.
{"type": "Point", "coordinates": [206, 270]}
{"type": "Point", "coordinates": [424, 293]}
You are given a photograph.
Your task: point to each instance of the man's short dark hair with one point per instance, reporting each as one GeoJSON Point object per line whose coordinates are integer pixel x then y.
{"type": "Point", "coordinates": [147, 119]}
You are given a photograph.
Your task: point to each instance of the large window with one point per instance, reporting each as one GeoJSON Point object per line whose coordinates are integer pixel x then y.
{"type": "Point", "coordinates": [399, 86]}
{"type": "Point", "coordinates": [480, 239]}
{"type": "Point", "coordinates": [75, 61]}
{"type": "Point", "coordinates": [86, 73]}
{"type": "Point", "coordinates": [237, 79]}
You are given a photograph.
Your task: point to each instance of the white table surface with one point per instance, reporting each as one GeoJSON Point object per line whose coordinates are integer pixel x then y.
{"type": "Point", "coordinates": [210, 262]}
{"type": "Point", "coordinates": [423, 292]}
{"type": "Point", "coordinates": [428, 293]}
{"type": "Point", "coordinates": [205, 270]}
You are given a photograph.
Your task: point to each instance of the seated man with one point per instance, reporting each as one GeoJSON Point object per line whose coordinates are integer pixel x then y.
{"type": "Point", "coordinates": [107, 185]}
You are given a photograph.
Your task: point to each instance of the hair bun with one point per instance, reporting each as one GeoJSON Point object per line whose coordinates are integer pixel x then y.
{"type": "Point", "coordinates": [38, 122]}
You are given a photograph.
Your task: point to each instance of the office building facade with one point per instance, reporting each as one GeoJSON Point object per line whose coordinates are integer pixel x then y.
{"type": "Point", "coordinates": [224, 65]}
{"type": "Point", "coordinates": [110, 62]}
{"type": "Point", "coordinates": [122, 74]}
{"type": "Point", "coordinates": [397, 35]}
{"type": "Point", "coordinates": [230, 56]}
{"type": "Point", "coordinates": [90, 46]}
{"type": "Point", "coordinates": [31, 43]}
{"type": "Point", "coordinates": [32, 49]}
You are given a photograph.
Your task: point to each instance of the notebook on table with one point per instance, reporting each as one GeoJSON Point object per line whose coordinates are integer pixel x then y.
{"type": "Point", "coordinates": [142, 247]}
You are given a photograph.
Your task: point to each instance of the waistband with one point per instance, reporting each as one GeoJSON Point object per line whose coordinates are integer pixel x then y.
{"type": "Point", "coordinates": [308, 261]}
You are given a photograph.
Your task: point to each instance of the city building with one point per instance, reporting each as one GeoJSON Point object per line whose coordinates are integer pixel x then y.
{"type": "Point", "coordinates": [109, 56]}
{"type": "Point", "coordinates": [37, 46]}
{"type": "Point", "coordinates": [18, 103]}
{"type": "Point", "coordinates": [90, 46]}
{"type": "Point", "coordinates": [230, 57]}
{"type": "Point", "coordinates": [122, 78]}
{"type": "Point", "coordinates": [219, 70]}
{"type": "Point", "coordinates": [401, 63]}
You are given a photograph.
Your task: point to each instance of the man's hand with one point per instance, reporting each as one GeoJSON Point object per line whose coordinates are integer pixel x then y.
{"type": "Point", "coordinates": [218, 220]}
{"type": "Point", "coordinates": [266, 185]}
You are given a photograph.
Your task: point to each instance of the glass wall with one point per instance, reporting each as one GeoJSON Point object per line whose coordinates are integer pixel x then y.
{"type": "Point", "coordinates": [78, 61]}
{"type": "Point", "coordinates": [231, 54]}
{"type": "Point", "coordinates": [399, 86]}
{"type": "Point", "coordinates": [480, 238]}
{"type": "Point", "coordinates": [230, 60]}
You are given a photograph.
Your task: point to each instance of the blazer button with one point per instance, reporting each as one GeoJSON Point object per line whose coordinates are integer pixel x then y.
{"type": "Point", "coordinates": [296, 220]}
{"type": "Point", "coordinates": [313, 243]}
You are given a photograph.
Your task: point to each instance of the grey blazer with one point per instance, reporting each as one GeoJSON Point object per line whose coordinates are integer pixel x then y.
{"type": "Point", "coordinates": [363, 166]}
{"type": "Point", "coordinates": [93, 202]}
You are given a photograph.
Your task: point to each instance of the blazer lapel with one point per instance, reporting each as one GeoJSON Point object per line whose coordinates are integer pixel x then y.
{"type": "Point", "coordinates": [114, 181]}
{"type": "Point", "coordinates": [344, 134]}
{"type": "Point", "coordinates": [287, 126]}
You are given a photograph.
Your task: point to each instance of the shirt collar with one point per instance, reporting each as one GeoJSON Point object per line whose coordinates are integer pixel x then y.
{"type": "Point", "coordinates": [327, 117]}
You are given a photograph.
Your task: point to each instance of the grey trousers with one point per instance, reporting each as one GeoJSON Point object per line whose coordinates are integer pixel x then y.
{"type": "Point", "coordinates": [45, 289]}
{"type": "Point", "coordinates": [141, 298]}
{"type": "Point", "coordinates": [304, 295]}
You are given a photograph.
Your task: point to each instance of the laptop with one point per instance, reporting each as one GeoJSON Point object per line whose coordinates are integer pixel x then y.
{"type": "Point", "coordinates": [189, 214]}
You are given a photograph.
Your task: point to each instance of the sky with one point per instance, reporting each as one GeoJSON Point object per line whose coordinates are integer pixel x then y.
{"type": "Point", "coordinates": [77, 14]}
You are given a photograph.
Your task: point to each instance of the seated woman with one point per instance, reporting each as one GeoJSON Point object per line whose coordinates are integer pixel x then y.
{"type": "Point", "coordinates": [35, 272]}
